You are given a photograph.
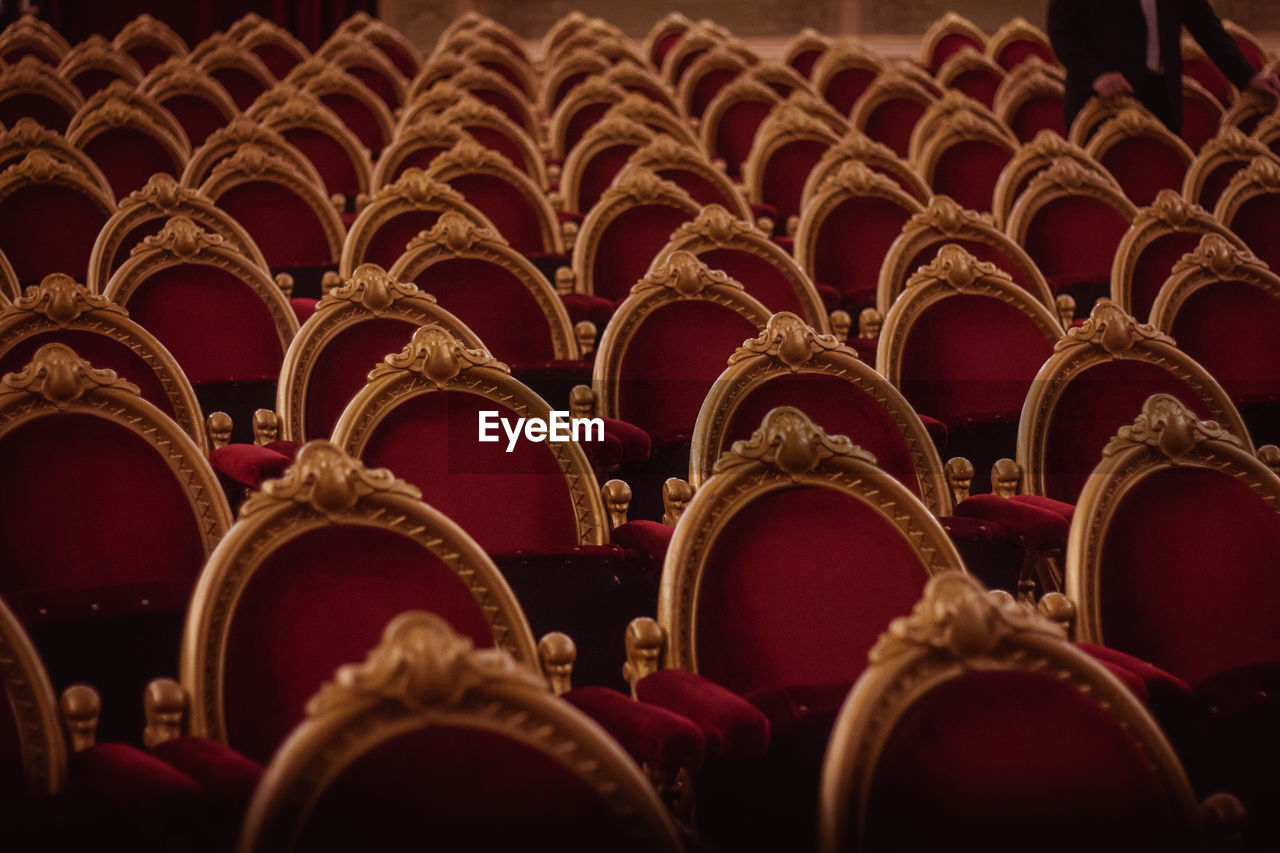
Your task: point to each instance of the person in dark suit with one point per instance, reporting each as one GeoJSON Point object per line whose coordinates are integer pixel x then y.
{"type": "Point", "coordinates": [1132, 47]}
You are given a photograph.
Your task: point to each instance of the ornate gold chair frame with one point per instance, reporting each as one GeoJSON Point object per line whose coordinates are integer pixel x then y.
{"type": "Point", "coordinates": [27, 135]}
{"type": "Point", "coordinates": [788, 122]}
{"type": "Point", "coordinates": [949, 24]}
{"type": "Point", "coordinates": [879, 157]}
{"type": "Point", "coordinates": [952, 117]}
{"type": "Point", "coordinates": [30, 76]}
{"type": "Point", "coordinates": [1216, 259]}
{"type": "Point", "coordinates": [1229, 146]}
{"type": "Point", "coordinates": [239, 132]}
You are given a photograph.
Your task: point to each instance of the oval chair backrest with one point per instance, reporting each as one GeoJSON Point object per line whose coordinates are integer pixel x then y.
{"type": "Point", "coordinates": [1142, 153]}
{"type": "Point", "coordinates": [729, 126]}
{"type": "Point", "coordinates": [128, 140]}
{"type": "Point", "coordinates": [1248, 206]}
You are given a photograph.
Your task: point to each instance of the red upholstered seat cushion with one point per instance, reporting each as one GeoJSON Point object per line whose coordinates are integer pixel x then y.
{"type": "Point", "coordinates": [1096, 403]}
{"type": "Point", "coordinates": [281, 222]}
{"type": "Point", "coordinates": [586, 306]}
{"type": "Point", "coordinates": [840, 408]}
{"type": "Point", "coordinates": [303, 307]}
{"type": "Point", "coordinates": [971, 358]}
{"type": "Point", "coordinates": [848, 572]}
{"type": "Point", "coordinates": [968, 172]}
{"type": "Point", "coordinates": [484, 788]}
{"type": "Point", "coordinates": [800, 705]}
{"type": "Point", "coordinates": [46, 228]}
{"type": "Point", "coordinates": [1187, 553]}
{"type": "Point", "coordinates": [1229, 327]}
{"type": "Point", "coordinates": [198, 117]}
{"type": "Point", "coordinates": [731, 725]}
{"type": "Point", "coordinates": [431, 441]}
{"type": "Point", "coordinates": [892, 122]}
{"type": "Point", "coordinates": [629, 244]}
{"type": "Point", "coordinates": [635, 441]}
{"type": "Point", "coordinates": [1154, 265]}
{"type": "Point", "coordinates": [1075, 236]}
{"type": "Point", "coordinates": [853, 266]}
{"type": "Point", "coordinates": [136, 537]}
{"type": "Point", "coordinates": [954, 772]}
{"type": "Point", "coordinates": [1156, 685]}
{"type": "Point", "coordinates": [1035, 527]}
{"type": "Point", "coordinates": [652, 735]}
{"type": "Point", "coordinates": [131, 794]}
{"type": "Point", "coordinates": [226, 777]}
{"type": "Point", "coordinates": [317, 602]}
{"type": "Point", "coordinates": [737, 133]}
{"type": "Point", "coordinates": [249, 464]}
{"type": "Point", "coordinates": [129, 157]}
{"type": "Point", "coordinates": [661, 393]}
{"type": "Point", "coordinates": [1065, 510]}
{"type": "Point", "coordinates": [342, 367]}
{"type": "Point", "coordinates": [1144, 166]}
{"type": "Point", "coordinates": [785, 173]}
{"type": "Point", "coordinates": [650, 538]}
{"type": "Point", "coordinates": [214, 324]}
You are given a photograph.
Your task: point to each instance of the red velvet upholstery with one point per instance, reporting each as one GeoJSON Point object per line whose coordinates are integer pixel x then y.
{"type": "Point", "coordinates": [980, 249]}
{"type": "Point", "coordinates": [892, 122]}
{"type": "Point", "coordinates": [1255, 223]}
{"type": "Point", "coordinates": [1035, 528]}
{"type": "Point", "coordinates": [1216, 181]}
{"type": "Point", "coordinates": [968, 172]}
{"type": "Point", "coordinates": [495, 140]}
{"type": "Point", "coordinates": [377, 83]}
{"type": "Point", "coordinates": [1092, 407]}
{"type": "Point", "coordinates": [650, 538]}
{"type": "Point", "coordinates": [567, 84]}
{"type": "Point", "coordinates": [980, 84]}
{"type": "Point", "coordinates": [1187, 549]}
{"type": "Point", "coordinates": [511, 213]}
{"type": "Point", "coordinates": [249, 464]}
{"type": "Point", "coordinates": [93, 80]}
{"type": "Point", "coordinates": [1065, 510]}
{"type": "Point", "coordinates": [48, 112]}
{"type": "Point", "coordinates": [971, 358]}
{"type": "Point", "coordinates": [131, 797]}
{"type": "Point", "coordinates": [343, 366]}
{"type": "Point", "coordinates": [662, 393]}
{"type": "Point", "coordinates": [1204, 72]}
{"type": "Point", "coordinates": [495, 305]}
{"type": "Point", "coordinates": [585, 306]}
{"type": "Point", "coordinates": [761, 279]}
{"type": "Point", "coordinates": [840, 408]}
{"type": "Point", "coordinates": [737, 132]}
{"type": "Point", "coordinates": [653, 736]}
{"type": "Point", "coordinates": [135, 536]}
{"type": "Point", "coordinates": [1229, 328]}
{"type": "Point", "coordinates": [785, 173]}
{"type": "Point", "coordinates": [731, 725]}
{"type": "Point", "coordinates": [148, 55]}
{"type": "Point", "coordinates": [847, 573]}
{"type": "Point", "coordinates": [1200, 121]}
{"type": "Point", "coordinates": [635, 442]}
{"type": "Point", "coordinates": [1075, 236]}
{"type": "Point", "coordinates": [1154, 265]}
{"type": "Point", "coordinates": [217, 328]}
{"type": "Point", "coordinates": [629, 244]}
{"type": "Point", "coordinates": [331, 160]}
{"type": "Point", "coordinates": [279, 60]}
{"type": "Point", "coordinates": [512, 110]}
{"type": "Point", "coordinates": [242, 86]}
{"type": "Point", "coordinates": [1016, 52]}
{"type": "Point", "coordinates": [430, 441]}
{"type": "Point", "coordinates": [598, 173]}
{"type": "Point", "coordinates": [950, 44]}
{"type": "Point", "coordinates": [1144, 166]}
{"type": "Point", "coordinates": [316, 602]}
{"type": "Point", "coordinates": [198, 117]}
{"type": "Point", "coordinates": [484, 789]}
{"type": "Point", "coordinates": [281, 222]}
{"type": "Point", "coordinates": [663, 45]}
{"type": "Point", "coordinates": [129, 157]}
{"type": "Point", "coordinates": [358, 116]}
{"type": "Point", "coordinates": [708, 87]}
{"type": "Point", "coordinates": [853, 266]}
{"type": "Point", "coordinates": [805, 60]}
{"type": "Point", "coordinates": [226, 777]}
{"type": "Point", "coordinates": [303, 307]}
{"type": "Point", "coordinates": [955, 773]}
{"type": "Point", "coordinates": [1037, 113]}
{"type": "Point", "coordinates": [699, 188]}
{"type": "Point", "coordinates": [1153, 684]}
{"type": "Point", "coordinates": [387, 243]}
{"type": "Point", "coordinates": [46, 229]}
{"type": "Point", "coordinates": [846, 86]}
{"type": "Point", "coordinates": [794, 706]}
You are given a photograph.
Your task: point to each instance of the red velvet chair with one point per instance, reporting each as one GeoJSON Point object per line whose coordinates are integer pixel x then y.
{"type": "Point", "coordinates": [1146, 581]}
{"type": "Point", "coordinates": [1142, 153]}
{"type": "Point", "coordinates": [34, 90]}
{"type": "Point", "coordinates": [662, 36]}
{"type": "Point", "coordinates": [878, 157]}
{"type": "Point", "coordinates": [853, 200]}
{"type": "Point", "coordinates": [704, 181]}
{"type": "Point", "coordinates": [483, 123]}
{"type": "Point", "coordinates": [144, 212]}
{"type": "Point", "coordinates": [1032, 159]}
{"type": "Point", "coordinates": [93, 64]}
{"type": "Point", "coordinates": [414, 148]}
{"type": "Point", "coordinates": [791, 642]}
{"type": "Point", "coordinates": [28, 35]}
{"type": "Point", "coordinates": [278, 49]}
{"type": "Point", "coordinates": [748, 256]}
{"type": "Point", "coordinates": [705, 77]}
{"type": "Point", "coordinates": [1201, 114]}
{"type": "Point", "coordinates": [369, 65]}
{"type": "Point", "coordinates": [197, 101]}
{"type": "Point", "coordinates": [352, 101]}
{"type": "Point", "coordinates": [844, 73]}
{"type": "Point", "coordinates": [804, 50]}
{"type": "Point", "coordinates": [236, 69]}
{"type": "Point", "coordinates": [494, 90]}
{"type": "Point", "coordinates": [27, 135]}
{"type": "Point", "coordinates": [729, 125]}
{"type": "Point", "coordinates": [99, 596]}
{"type": "Point", "coordinates": [965, 157]}
{"type": "Point", "coordinates": [972, 74]}
{"type": "Point", "coordinates": [402, 52]}
{"type": "Point", "coordinates": [947, 36]}
{"type": "Point", "coordinates": [337, 154]}
{"type": "Point", "coordinates": [1018, 41]}
{"type": "Point", "coordinates": [512, 766]}
{"type": "Point", "coordinates": [1160, 235]}
{"type": "Point", "coordinates": [149, 41]}
{"type": "Point", "coordinates": [920, 756]}
{"type": "Point", "coordinates": [570, 71]}
{"type": "Point", "coordinates": [944, 221]}
{"type": "Point", "coordinates": [602, 152]}
{"type": "Point", "coordinates": [61, 311]}
{"type": "Point", "coordinates": [1219, 303]}
{"type": "Point", "coordinates": [1098, 376]}
{"type": "Point", "coordinates": [225, 321]}
{"type": "Point", "coordinates": [290, 218]}
{"type": "Point", "coordinates": [1218, 161]}
{"type": "Point", "coordinates": [129, 136]}
{"type": "Point", "coordinates": [1029, 100]}
{"type": "Point", "coordinates": [50, 214]}
{"type": "Point", "coordinates": [889, 109]}
{"type": "Point", "coordinates": [1070, 221]}
{"type": "Point", "coordinates": [241, 131]}
{"type": "Point", "coordinates": [788, 145]}
{"type": "Point", "coordinates": [1248, 206]}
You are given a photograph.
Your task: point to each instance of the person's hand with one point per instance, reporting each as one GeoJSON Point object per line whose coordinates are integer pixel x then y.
{"type": "Point", "coordinates": [1112, 83]}
{"type": "Point", "coordinates": [1265, 82]}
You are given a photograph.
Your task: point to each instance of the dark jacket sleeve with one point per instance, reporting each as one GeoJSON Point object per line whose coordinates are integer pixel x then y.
{"type": "Point", "coordinates": [1206, 28]}
{"type": "Point", "coordinates": [1069, 35]}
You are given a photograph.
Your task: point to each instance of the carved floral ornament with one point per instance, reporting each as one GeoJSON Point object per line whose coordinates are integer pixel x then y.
{"type": "Point", "coordinates": [957, 618]}
{"type": "Point", "coordinates": [62, 299]}
{"type": "Point", "coordinates": [717, 224]}
{"type": "Point", "coordinates": [791, 341]}
{"type": "Point", "coordinates": [328, 481]}
{"type": "Point", "coordinates": [946, 215]}
{"type": "Point", "coordinates": [420, 664]}
{"type": "Point", "coordinates": [1262, 172]}
{"type": "Point", "coordinates": [60, 376]}
{"type": "Point", "coordinates": [182, 238]}
{"type": "Point", "coordinates": [456, 232]}
{"type": "Point", "coordinates": [614, 128]}
{"type": "Point", "coordinates": [250, 161]}
{"type": "Point", "coordinates": [436, 355]}
{"type": "Point", "coordinates": [1069, 174]}
{"type": "Point", "coordinates": [663, 149]}
{"type": "Point", "coordinates": [1236, 144]}
{"type": "Point", "coordinates": [1112, 329]}
{"type": "Point", "coordinates": [469, 154]}
{"type": "Point", "coordinates": [26, 132]}
{"type": "Point", "coordinates": [684, 274]}
{"type": "Point", "coordinates": [417, 187]}
{"type": "Point", "coordinates": [40, 166]}
{"type": "Point", "coordinates": [790, 117]}
{"type": "Point", "coordinates": [372, 287]}
{"type": "Point", "coordinates": [161, 191]}
{"type": "Point", "coordinates": [30, 73]}
{"type": "Point", "coordinates": [1169, 427]}
{"type": "Point", "coordinates": [1171, 208]}
{"type": "Point", "coordinates": [789, 441]}
{"type": "Point", "coordinates": [859, 179]}
{"type": "Point", "coordinates": [1217, 255]}
{"type": "Point", "coordinates": [643, 186]}
{"type": "Point", "coordinates": [955, 267]}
